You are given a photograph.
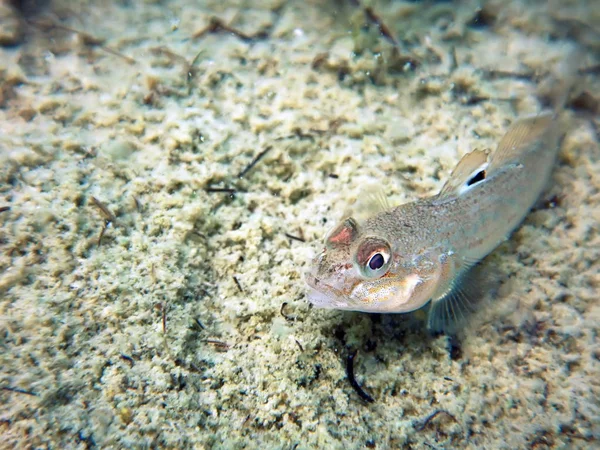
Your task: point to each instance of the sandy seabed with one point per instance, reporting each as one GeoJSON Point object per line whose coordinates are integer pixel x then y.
{"type": "Point", "coordinates": [165, 178]}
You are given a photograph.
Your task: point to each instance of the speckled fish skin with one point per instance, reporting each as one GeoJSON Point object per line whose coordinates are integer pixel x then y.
{"type": "Point", "coordinates": [401, 258]}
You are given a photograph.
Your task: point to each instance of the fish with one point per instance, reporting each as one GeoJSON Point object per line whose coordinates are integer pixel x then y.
{"type": "Point", "coordinates": [399, 259]}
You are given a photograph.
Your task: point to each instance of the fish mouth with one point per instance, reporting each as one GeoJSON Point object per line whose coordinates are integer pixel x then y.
{"type": "Point", "coordinates": [323, 295]}
{"type": "Point", "coordinates": [394, 296]}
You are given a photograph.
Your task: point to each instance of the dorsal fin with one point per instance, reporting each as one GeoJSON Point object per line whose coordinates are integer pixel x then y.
{"type": "Point", "coordinates": [370, 201]}
{"type": "Point", "coordinates": [471, 167]}
{"type": "Point", "coordinates": [519, 137]}
{"type": "Point", "coordinates": [374, 200]}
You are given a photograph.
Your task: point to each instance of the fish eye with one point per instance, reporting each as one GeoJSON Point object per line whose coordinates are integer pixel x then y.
{"type": "Point", "coordinates": [373, 257]}
{"type": "Point", "coordinates": [376, 261]}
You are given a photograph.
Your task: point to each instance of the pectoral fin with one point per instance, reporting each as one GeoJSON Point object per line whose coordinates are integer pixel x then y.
{"type": "Point", "coordinates": [451, 310]}
{"type": "Point", "coordinates": [474, 288]}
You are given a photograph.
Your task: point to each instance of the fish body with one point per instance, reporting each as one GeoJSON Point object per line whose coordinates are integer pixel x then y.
{"type": "Point", "coordinates": [401, 258]}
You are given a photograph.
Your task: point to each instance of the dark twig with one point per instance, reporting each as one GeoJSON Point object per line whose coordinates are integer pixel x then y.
{"type": "Point", "coordinates": [112, 51]}
{"type": "Point", "coordinates": [255, 161]}
{"type": "Point", "coordinates": [19, 391]}
{"type": "Point", "coordinates": [332, 127]}
{"type": "Point", "coordinates": [470, 100]}
{"type": "Point", "coordinates": [163, 312]}
{"type": "Point", "coordinates": [294, 238]}
{"type": "Point", "coordinates": [102, 231]}
{"type": "Point", "coordinates": [383, 28]}
{"type": "Point", "coordinates": [350, 373]}
{"type": "Point", "coordinates": [453, 59]}
{"type": "Point", "coordinates": [138, 204]}
{"type": "Point", "coordinates": [494, 74]}
{"type": "Point", "coordinates": [219, 344]}
{"type": "Point", "coordinates": [281, 311]}
{"type": "Point", "coordinates": [108, 215]}
{"type": "Point", "coordinates": [191, 66]}
{"type": "Point", "coordinates": [87, 39]}
{"type": "Point", "coordinates": [171, 56]}
{"type": "Point", "coordinates": [127, 358]}
{"type": "Point", "coordinates": [230, 191]}
{"type": "Point", "coordinates": [237, 283]}
{"type": "Point", "coordinates": [216, 25]}
{"type": "Point", "coordinates": [299, 345]}
{"type": "Point", "coordinates": [398, 59]}
{"type": "Point", "coordinates": [432, 416]}
{"type": "Point", "coordinates": [297, 133]}
{"type": "Point", "coordinates": [319, 60]}
{"type": "Point", "coordinates": [4, 209]}
{"type": "Point", "coordinates": [578, 436]}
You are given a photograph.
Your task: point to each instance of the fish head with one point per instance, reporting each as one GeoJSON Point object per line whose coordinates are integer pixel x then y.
{"type": "Point", "coordinates": [361, 272]}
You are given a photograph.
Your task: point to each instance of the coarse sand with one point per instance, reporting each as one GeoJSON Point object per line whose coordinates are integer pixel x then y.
{"type": "Point", "coordinates": [168, 168]}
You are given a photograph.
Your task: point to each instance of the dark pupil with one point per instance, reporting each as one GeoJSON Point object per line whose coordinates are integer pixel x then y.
{"type": "Point", "coordinates": [376, 261]}
{"type": "Point", "coordinates": [479, 176]}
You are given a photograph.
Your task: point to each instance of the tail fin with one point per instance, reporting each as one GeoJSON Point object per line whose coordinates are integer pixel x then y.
{"type": "Point", "coordinates": [556, 91]}
{"type": "Point", "coordinates": [544, 128]}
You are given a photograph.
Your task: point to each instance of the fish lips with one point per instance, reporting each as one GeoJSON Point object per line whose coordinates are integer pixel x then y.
{"type": "Point", "coordinates": [323, 295]}
{"type": "Point", "coordinates": [391, 297]}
